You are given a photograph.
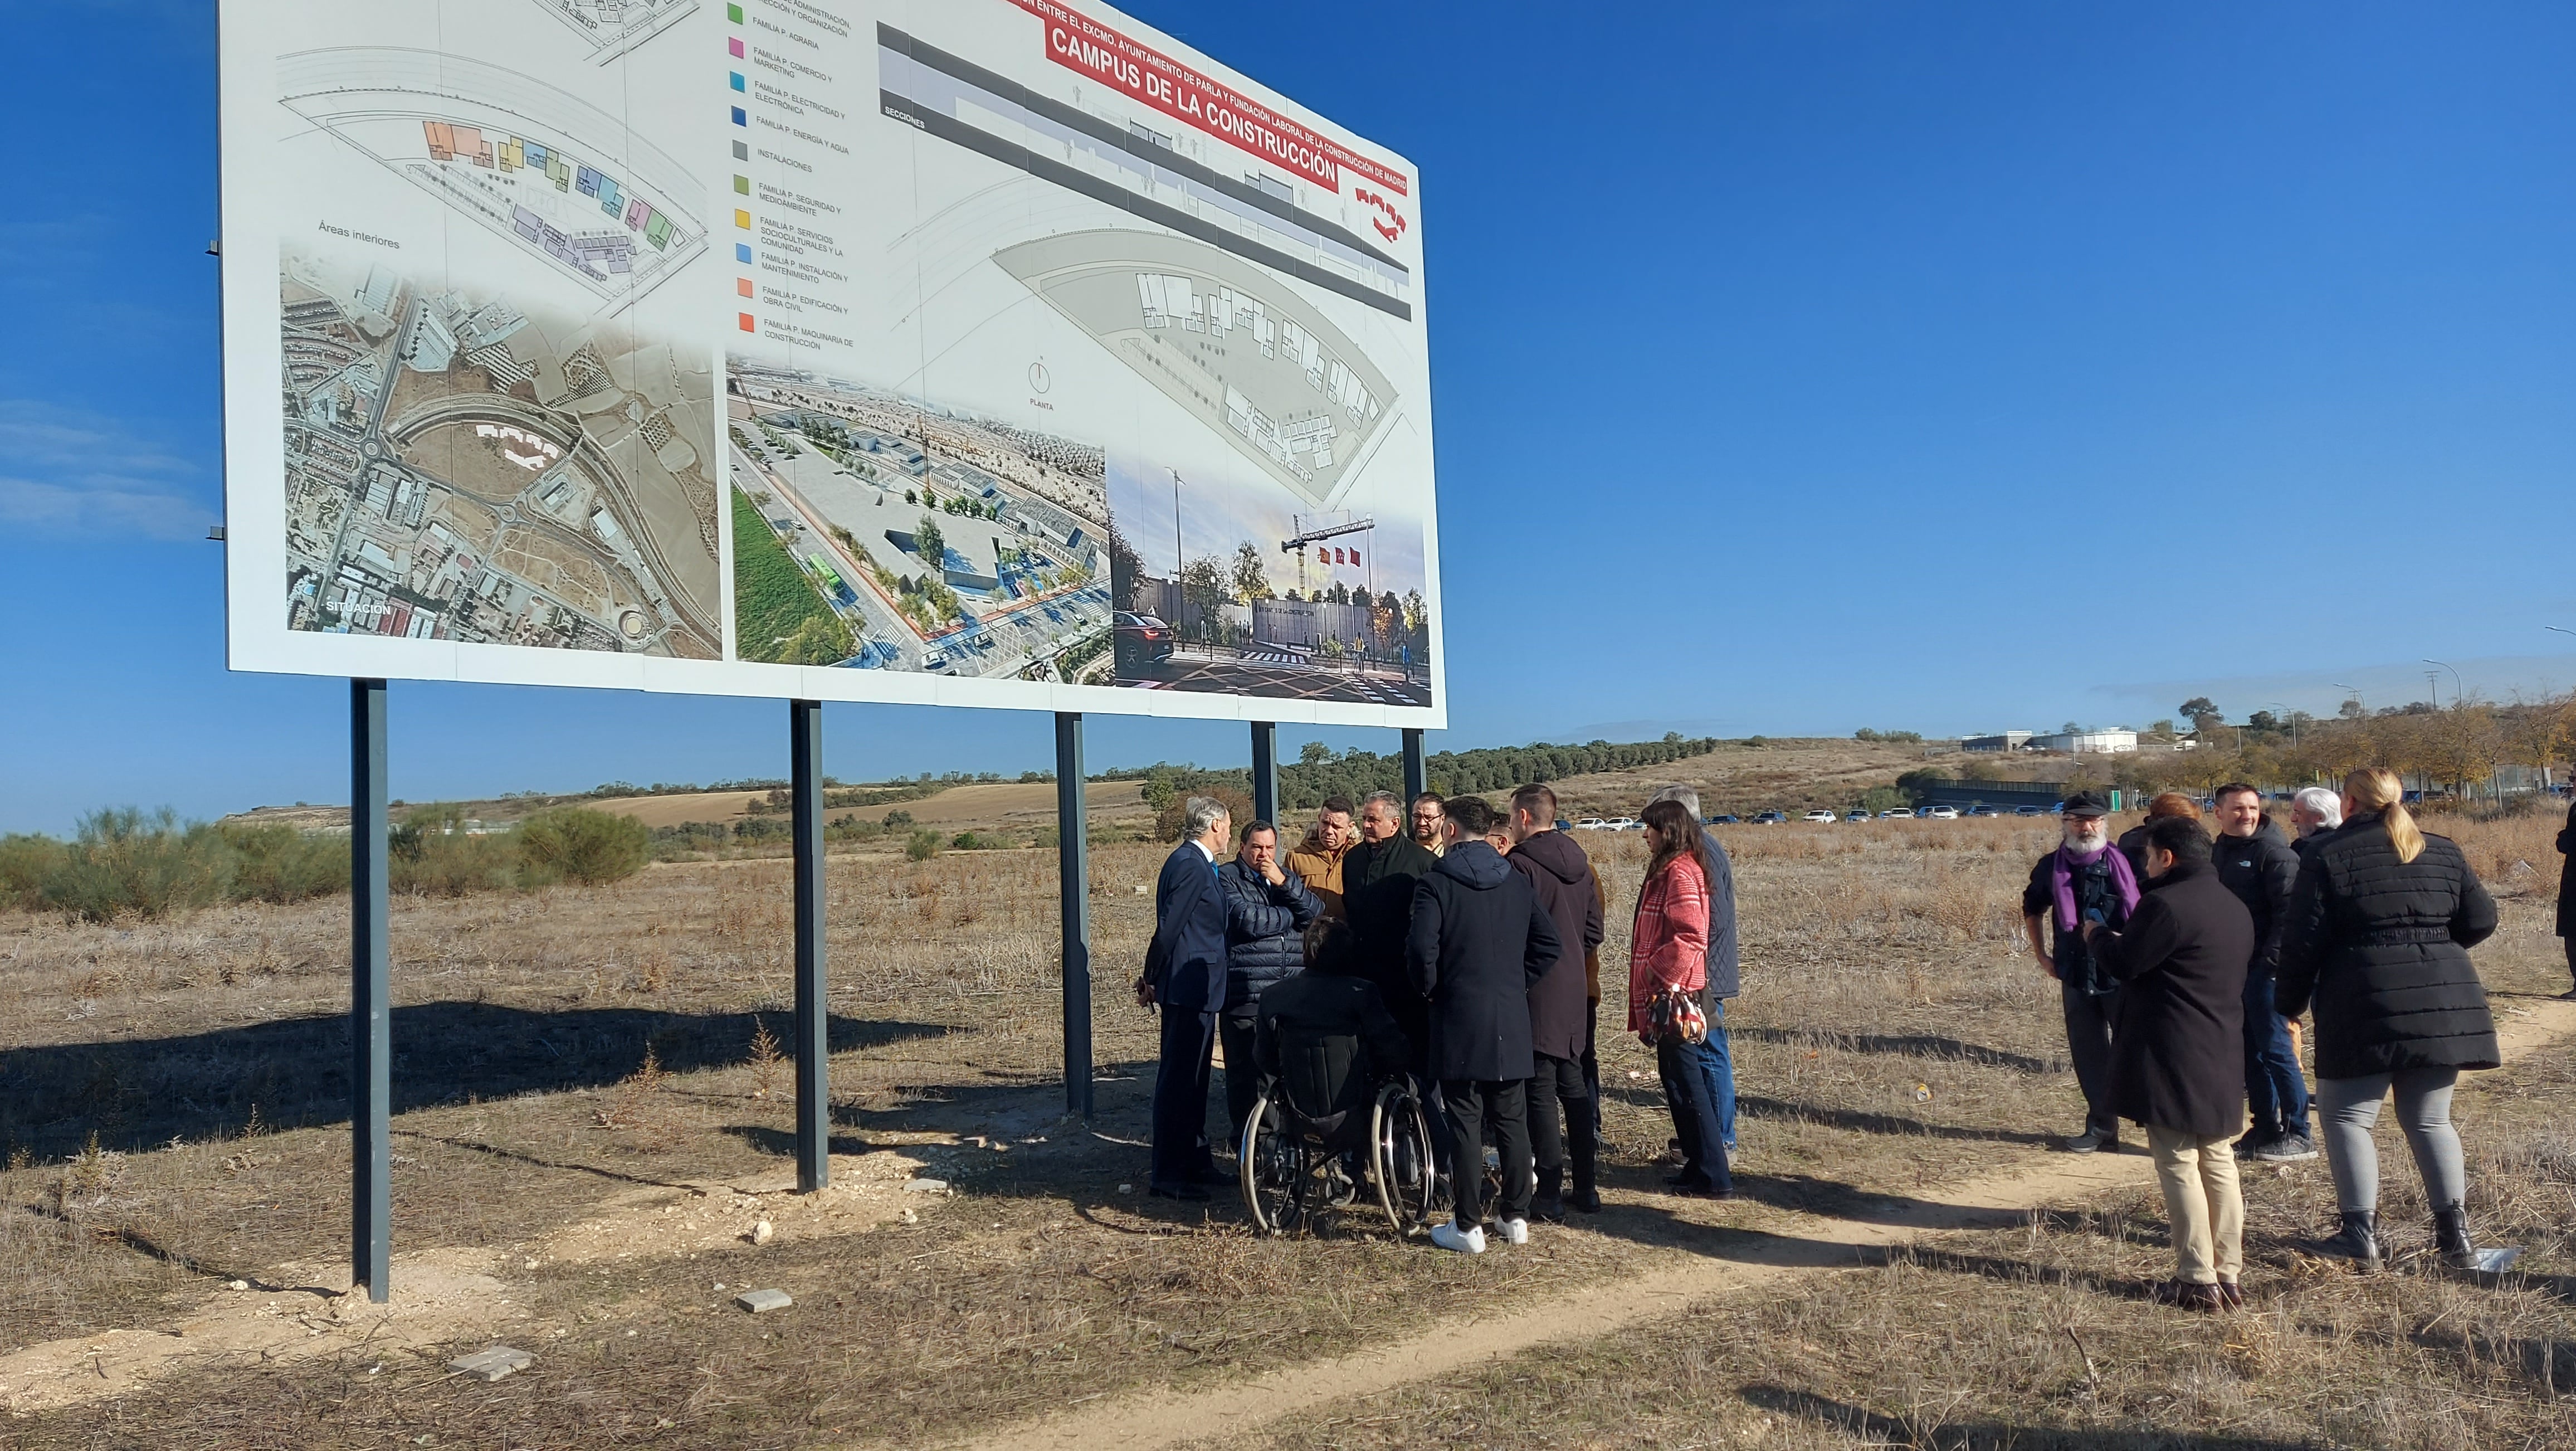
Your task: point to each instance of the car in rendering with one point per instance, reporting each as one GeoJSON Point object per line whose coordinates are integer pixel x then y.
{"type": "Point", "coordinates": [1821, 818]}
{"type": "Point", "coordinates": [1141, 639]}
{"type": "Point", "coordinates": [1937, 813]}
{"type": "Point", "coordinates": [1897, 813]}
{"type": "Point", "coordinates": [1771, 818]}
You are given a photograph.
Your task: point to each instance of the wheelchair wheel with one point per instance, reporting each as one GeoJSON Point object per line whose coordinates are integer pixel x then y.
{"type": "Point", "coordinates": [1273, 1171]}
{"type": "Point", "coordinates": [1402, 1161]}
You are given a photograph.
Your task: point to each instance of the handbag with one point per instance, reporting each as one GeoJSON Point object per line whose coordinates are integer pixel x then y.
{"type": "Point", "coordinates": [1675, 1017]}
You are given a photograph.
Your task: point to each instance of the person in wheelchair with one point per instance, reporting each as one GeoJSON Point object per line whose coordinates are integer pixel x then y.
{"type": "Point", "coordinates": [1326, 1044]}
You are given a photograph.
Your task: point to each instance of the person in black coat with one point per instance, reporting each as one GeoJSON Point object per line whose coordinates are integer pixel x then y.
{"type": "Point", "coordinates": [1185, 975]}
{"type": "Point", "coordinates": [2177, 1050]}
{"type": "Point", "coordinates": [1267, 912]}
{"type": "Point", "coordinates": [1378, 878]}
{"type": "Point", "coordinates": [1324, 1036]}
{"type": "Point", "coordinates": [2567, 894]}
{"type": "Point", "coordinates": [2381, 924]}
{"type": "Point", "coordinates": [2085, 879]}
{"type": "Point", "coordinates": [1479, 940]}
{"type": "Point", "coordinates": [2256, 863]}
{"type": "Point", "coordinates": [1561, 1011]}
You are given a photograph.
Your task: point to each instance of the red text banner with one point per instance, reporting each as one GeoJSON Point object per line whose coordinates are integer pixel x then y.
{"type": "Point", "coordinates": [1079, 43]}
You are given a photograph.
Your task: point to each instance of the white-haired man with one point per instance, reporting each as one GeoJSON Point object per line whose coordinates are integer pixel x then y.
{"type": "Point", "coordinates": [2083, 881]}
{"type": "Point", "coordinates": [1185, 976]}
{"type": "Point", "coordinates": [2314, 812]}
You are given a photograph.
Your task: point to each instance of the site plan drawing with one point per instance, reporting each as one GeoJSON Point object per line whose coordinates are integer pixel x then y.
{"type": "Point", "coordinates": [535, 166]}
{"type": "Point", "coordinates": [614, 27]}
{"type": "Point", "coordinates": [460, 470]}
{"type": "Point", "coordinates": [1239, 350]}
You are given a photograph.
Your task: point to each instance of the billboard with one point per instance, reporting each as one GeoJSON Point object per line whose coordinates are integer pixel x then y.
{"type": "Point", "coordinates": [977, 352]}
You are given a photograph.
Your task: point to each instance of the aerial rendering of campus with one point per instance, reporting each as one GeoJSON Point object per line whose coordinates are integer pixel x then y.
{"type": "Point", "coordinates": [459, 469]}
{"type": "Point", "coordinates": [875, 532]}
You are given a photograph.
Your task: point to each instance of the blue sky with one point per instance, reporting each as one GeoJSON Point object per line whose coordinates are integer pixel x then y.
{"type": "Point", "coordinates": [1799, 366]}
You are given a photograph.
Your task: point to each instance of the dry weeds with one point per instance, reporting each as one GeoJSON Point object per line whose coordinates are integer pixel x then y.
{"type": "Point", "coordinates": [1891, 1038]}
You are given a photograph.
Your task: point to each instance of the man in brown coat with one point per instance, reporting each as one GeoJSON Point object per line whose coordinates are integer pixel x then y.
{"type": "Point", "coordinates": [1317, 861]}
{"type": "Point", "coordinates": [2178, 1053]}
{"type": "Point", "coordinates": [1560, 1012]}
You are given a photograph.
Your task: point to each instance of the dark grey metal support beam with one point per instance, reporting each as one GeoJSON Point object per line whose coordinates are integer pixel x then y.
{"type": "Point", "coordinates": [1265, 775]}
{"type": "Point", "coordinates": [1416, 778]}
{"type": "Point", "coordinates": [371, 1145]}
{"type": "Point", "coordinates": [813, 1044]}
{"type": "Point", "coordinates": [1073, 886]}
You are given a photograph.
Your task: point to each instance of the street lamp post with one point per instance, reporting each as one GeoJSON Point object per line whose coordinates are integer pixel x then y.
{"type": "Point", "coordinates": [2356, 694]}
{"type": "Point", "coordinates": [2292, 717]}
{"type": "Point", "coordinates": [2461, 693]}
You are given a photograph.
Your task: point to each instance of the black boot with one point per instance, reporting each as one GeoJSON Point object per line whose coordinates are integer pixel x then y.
{"type": "Point", "coordinates": [2451, 1238]}
{"type": "Point", "coordinates": [2358, 1241]}
{"type": "Point", "coordinates": [1548, 1203]}
{"type": "Point", "coordinates": [1583, 1146]}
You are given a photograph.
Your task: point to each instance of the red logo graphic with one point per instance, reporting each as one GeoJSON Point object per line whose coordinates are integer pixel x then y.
{"type": "Point", "coordinates": [1394, 225]}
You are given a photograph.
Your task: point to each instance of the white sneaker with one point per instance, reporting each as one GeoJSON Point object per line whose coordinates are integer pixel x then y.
{"type": "Point", "coordinates": [1515, 1231]}
{"type": "Point", "coordinates": [1464, 1241]}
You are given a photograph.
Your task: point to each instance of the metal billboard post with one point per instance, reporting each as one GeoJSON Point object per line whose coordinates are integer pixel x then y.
{"type": "Point", "coordinates": [371, 1148]}
{"type": "Point", "coordinates": [1416, 779]}
{"type": "Point", "coordinates": [1073, 885]}
{"type": "Point", "coordinates": [1265, 771]}
{"type": "Point", "coordinates": [813, 1015]}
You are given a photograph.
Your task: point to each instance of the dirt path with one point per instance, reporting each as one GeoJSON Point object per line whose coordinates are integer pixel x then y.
{"type": "Point", "coordinates": [1780, 1246]}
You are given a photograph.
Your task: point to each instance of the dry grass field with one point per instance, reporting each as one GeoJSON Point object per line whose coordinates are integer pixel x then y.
{"type": "Point", "coordinates": [587, 1131]}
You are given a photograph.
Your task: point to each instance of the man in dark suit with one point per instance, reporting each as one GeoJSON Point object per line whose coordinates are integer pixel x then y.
{"type": "Point", "coordinates": [1479, 942]}
{"type": "Point", "coordinates": [1185, 976]}
{"type": "Point", "coordinates": [2567, 895]}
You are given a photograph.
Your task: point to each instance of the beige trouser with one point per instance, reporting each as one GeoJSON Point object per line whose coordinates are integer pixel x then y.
{"type": "Point", "coordinates": [2202, 1200]}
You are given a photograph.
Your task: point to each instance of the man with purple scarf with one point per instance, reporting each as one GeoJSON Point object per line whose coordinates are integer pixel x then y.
{"type": "Point", "coordinates": [2083, 880]}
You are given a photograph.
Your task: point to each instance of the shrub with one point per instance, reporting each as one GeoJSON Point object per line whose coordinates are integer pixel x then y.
{"type": "Point", "coordinates": [123, 862]}
{"type": "Point", "coordinates": [452, 866]}
{"type": "Point", "coordinates": [27, 862]}
{"type": "Point", "coordinates": [923, 846]}
{"type": "Point", "coordinates": [579, 844]}
{"type": "Point", "coordinates": [281, 864]}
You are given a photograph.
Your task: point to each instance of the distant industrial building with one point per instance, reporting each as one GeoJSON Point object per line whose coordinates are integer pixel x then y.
{"type": "Point", "coordinates": [2120, 742]}
{"type": "Point", "coordinates": [1998, 743]}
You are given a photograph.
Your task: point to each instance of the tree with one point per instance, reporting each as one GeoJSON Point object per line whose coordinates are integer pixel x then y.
{"type": "Point", "coordinates": [583, 845]}
{"type": "Point", "coordinates": [1250, 582]}
{"type": "Point", "coordinates": [2071, 728]}
{"type": "Point", "coordinates": [1417, 614]}
{"type": "Point", "coordinates": [1204, 593]}
{"type": "Point", "coordinates": [2202, 713]}
{"type": "Point", "coordinates": [1341, 593]}
{"type": "Point", "coordinates": [931, 545]}
{"type": "Point", "coordinates": [2352, 709]}
{"type": "Point", "coordinates": [2262, 720]}
{"type": "Point", "coordinates": [1314, 753]}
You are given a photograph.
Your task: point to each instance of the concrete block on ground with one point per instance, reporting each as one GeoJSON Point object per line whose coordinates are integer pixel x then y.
{"type": "Point", "coordinates": [761, 1302]}
{"type": "Point", "coordinates": [926, 1186]}
{"type": "Point", "coordinates": [490, 1365]}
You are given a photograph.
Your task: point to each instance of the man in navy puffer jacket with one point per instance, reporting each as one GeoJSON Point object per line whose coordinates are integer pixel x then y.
{"type": "Point", "coordinates": [1267, 912]}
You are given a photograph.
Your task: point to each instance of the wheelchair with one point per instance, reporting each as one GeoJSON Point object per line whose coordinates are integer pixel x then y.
{"type": "Point", "coordinates": [1295, 1169]}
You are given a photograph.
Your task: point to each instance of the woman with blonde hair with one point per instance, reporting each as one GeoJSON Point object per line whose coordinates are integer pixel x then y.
{"type": "Point", "coordinates": [2378, 942]}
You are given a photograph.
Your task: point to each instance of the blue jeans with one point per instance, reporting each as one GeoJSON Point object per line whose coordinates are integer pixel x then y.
{"type": "Point", "coordinates": [1720, 1067]}
{"type": "Point", "coordinates": [2275, 1090]}
{"type": "Point", "coordinates": [1689, 1085]}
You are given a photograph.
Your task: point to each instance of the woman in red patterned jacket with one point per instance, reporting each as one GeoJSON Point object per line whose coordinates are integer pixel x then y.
{"type": "Point", "coordinates": [1668, 959]}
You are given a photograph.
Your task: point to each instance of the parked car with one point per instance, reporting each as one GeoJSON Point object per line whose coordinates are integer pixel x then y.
{"type": "Point", "coordinates": [1938, 813]}
{"type": "Point", "coordinates": [1564, 825]}
{"type": "Point", "coordinates": [1592, 823]}
{"type": "Point", "coordinates": [1851, 816]}
{"type": "Point", "coordinates": [1821, 818]}
{"type": "Point", "coordinates": [1982, 809]}
{"type": "Point", "coordinates": [2030, 811]}
{"type": "Point", "coordinates": [1722, 821]}
{"type": "Point", "coordinates": [1141, 639]}
{"type": "Point", "coordinates": [1771, 818]}
{"type": "Point", "coordinates": [1897, 813]}
{"type": "Point", "coordinates": [1623, 823]}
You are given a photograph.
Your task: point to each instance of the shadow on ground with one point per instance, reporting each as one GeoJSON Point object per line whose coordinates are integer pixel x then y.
{"type": "Point", "coordinates": [296, 1072]}
{"type": "Point", "coordinates": [1877, 1429]}
{"type": "Point", "coordinates": [1912, 1045]}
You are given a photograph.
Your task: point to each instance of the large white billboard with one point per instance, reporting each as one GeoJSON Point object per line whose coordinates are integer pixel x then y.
{"type": "Point", "coordinates": [972, 352]}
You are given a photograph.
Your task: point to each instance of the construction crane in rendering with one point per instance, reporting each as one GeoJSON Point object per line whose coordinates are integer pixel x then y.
{"type": "Point", "coordinates": [1308, 537]}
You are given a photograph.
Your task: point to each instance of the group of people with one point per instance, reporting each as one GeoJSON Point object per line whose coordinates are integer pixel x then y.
{"type": "Point", "coordinates": [1457, 945]}
{"type": "Point", "coordinates": [2185, 960]}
